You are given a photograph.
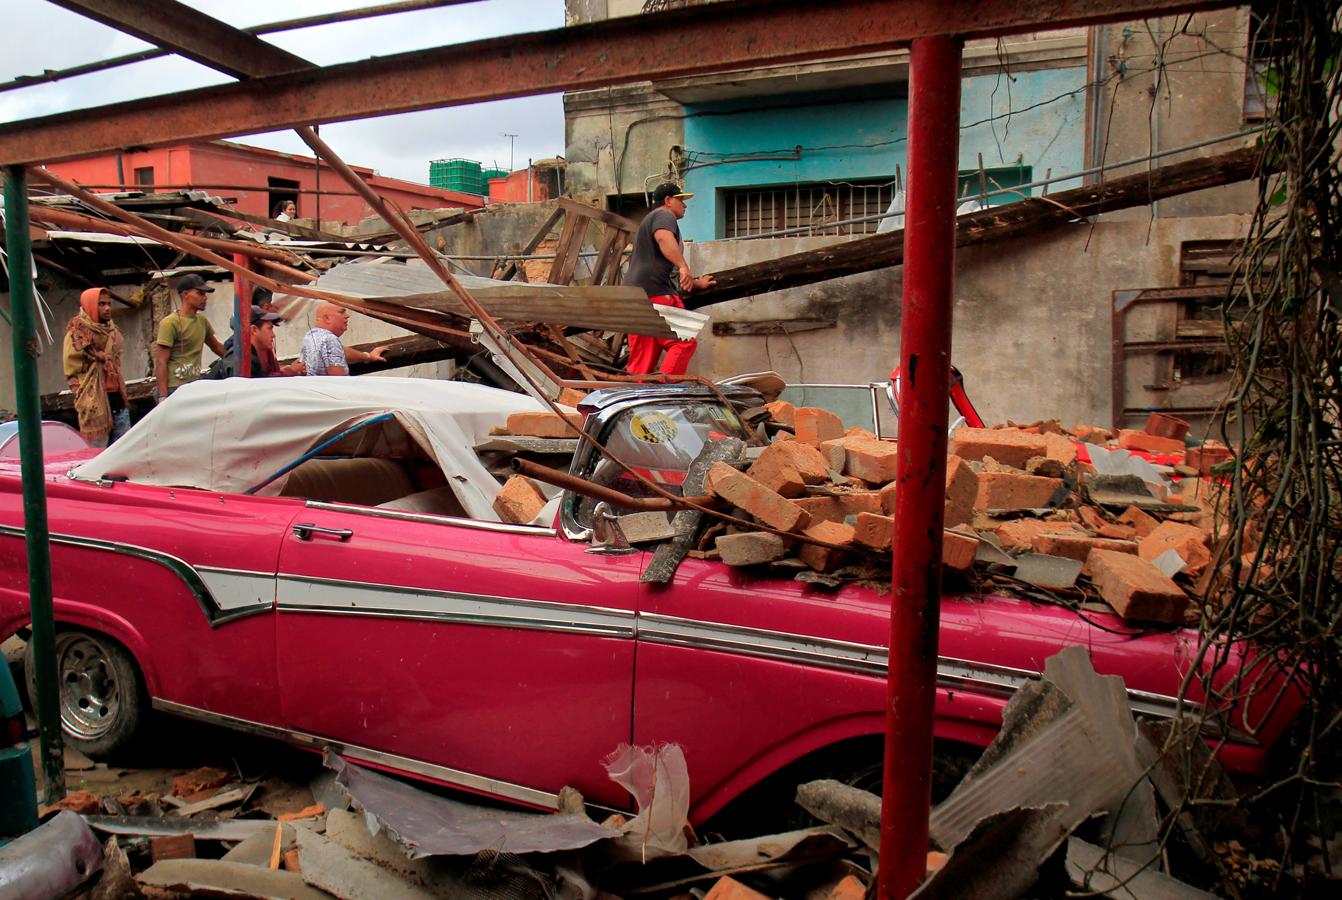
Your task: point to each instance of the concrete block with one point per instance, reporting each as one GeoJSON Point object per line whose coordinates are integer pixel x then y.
{"type": "Point", "coordinates": [1135, 588]}
{"type": "Point", "coordinates": [519, 500]}
{"type": "Point", "coordinates": [764, 504]}
{"type": "Point", "coordinates": [873, 461]}
{"type": "Point", "coordinates": [874, 530]}
{"type": "Point", "coordinates": [1005, 490]}
{"type": "Point", "coordinates": [644, 527]}
{"type": "Point", "coordinates": [1011, 446]}
{"type": "Point", "coordinates": [815, 425]}
{"type": "Point", "coordinates": [750, 548]}
{"type": "Point", "coordinates": [543, 424]}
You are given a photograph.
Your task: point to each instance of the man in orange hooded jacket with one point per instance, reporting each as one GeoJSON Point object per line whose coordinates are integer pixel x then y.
{"type": "Point", "coordinates": [92, 358]}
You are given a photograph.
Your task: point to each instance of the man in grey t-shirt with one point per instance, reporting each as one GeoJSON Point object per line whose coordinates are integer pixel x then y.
{"type": "Point", "coordinates": [657, 264]}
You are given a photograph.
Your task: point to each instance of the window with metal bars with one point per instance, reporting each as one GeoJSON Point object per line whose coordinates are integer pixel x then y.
{"type": "Point", "coordinates": [816, 206]}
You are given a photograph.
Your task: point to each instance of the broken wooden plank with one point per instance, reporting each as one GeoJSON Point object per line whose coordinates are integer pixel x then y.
{"type": "Point", "coordinates": [1029, 216]}
{"type": "Point", "coordinates": [223, 798]}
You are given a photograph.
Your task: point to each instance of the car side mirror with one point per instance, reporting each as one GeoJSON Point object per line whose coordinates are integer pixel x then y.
{"type": "Point", "coordinates": [607, 537]}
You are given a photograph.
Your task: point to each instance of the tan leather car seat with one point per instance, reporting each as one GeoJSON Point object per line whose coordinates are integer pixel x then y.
{"type": "Point", "coordinates": [366, 481]}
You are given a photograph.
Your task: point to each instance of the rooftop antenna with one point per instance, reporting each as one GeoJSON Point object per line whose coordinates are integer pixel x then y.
{"type": "Point", "coordinates": [512, 139]}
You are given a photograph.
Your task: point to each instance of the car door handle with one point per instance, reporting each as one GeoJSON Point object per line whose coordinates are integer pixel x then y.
{"type": "Point", "coordinates": [305, 532]}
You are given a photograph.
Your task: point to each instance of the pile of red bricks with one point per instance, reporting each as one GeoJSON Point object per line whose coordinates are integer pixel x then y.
{"type": "Point", "coordinates": [830, 492]}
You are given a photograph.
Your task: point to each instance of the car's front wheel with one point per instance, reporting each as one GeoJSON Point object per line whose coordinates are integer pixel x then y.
{"type": "Point", "coordinates": [103, 702]}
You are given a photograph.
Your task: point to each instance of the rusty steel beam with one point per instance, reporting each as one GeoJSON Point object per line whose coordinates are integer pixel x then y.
{"type": "Point", "coordinates": [190, 33]}
{"type": "Point", "coordinates": [697, 40]}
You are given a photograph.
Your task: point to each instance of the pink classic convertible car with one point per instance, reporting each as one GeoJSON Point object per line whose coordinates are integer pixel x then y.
{"type": "Point", "coordinates": [317, 560]}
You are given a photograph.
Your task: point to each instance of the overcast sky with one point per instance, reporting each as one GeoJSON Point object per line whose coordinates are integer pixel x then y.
{"type": "Point", "coordinates": [37, 35]}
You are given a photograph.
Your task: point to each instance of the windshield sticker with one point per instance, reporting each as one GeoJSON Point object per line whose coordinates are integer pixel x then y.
{"type": "Point", "coordinates": [653, 427]}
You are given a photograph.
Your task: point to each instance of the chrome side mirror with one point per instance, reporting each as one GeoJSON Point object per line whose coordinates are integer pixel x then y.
{"type": "Point", "coordinates": [607, 537]}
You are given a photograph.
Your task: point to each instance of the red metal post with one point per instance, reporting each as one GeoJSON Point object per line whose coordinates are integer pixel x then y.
{"type": "Point", "coordinates": [924, 357]}
{"type": "Point", "coordinates": [242, 306]}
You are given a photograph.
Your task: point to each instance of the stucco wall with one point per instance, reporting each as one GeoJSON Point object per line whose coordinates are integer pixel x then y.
{"type": "Point", "coordinates": [1032, 315]}
{"type": "Point", "coordinates": [862, 133]}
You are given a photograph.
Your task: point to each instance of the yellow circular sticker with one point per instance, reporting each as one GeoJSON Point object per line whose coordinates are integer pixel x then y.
{"type": "Point", "coordinates": [653, 427]}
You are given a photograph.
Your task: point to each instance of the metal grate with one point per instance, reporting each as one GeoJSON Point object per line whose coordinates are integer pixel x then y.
{"type": "Point", "coordinates": [817, 206]}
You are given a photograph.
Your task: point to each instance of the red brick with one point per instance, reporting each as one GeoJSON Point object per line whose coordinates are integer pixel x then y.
{"type": "Point", "coordinates": [851, 888]}
{"type": "Point", "coordinates": [782, 412]}
{"type": "Point", "coordinates": [1204, 457]}
{"type": "Point", "coordinates": [1011, 446]}
{"type": "Point", "coordinates": [1139, 520]}
{"type": "Point", "coordinates": [1091, 434]}
{"type": "Point", "coordinates": [519, 500]}
{"type": "Point", "coordinates": [543, 424]}
{"type": "Point", "coordinates": [888, 496]}
{"type": "Point", "coordinates": [172, 846]}
{"type": "Point", "coordinates": [873, 461]}
{"type": "Point", "coordinates": [810, 463]}
{"type": "Point", "coordinates": [1135, 588]}
{"type": "Point", "coordinates": [1118, 532]}
{"type": "Point", "coordinates": [822, 509]}
{"type": "Point", "coordinates": [1019, 534]}
{"type": "Point", "coordinates": [1189, 541]}
{"type": "Point", "coordinates": [824, 559]}
{"type": "Point", "coordinates": [726, 888]}
{"type": "Point", "coordinates": [199, 780]}
{"type": "Point", "coordinates": [570, 397]}
{"type": "Point", "coordinates": [85, 803]}
{"type": "Point", "coordinates": [750, 548]}
{"type": "Point", "coordinates": [1006, 490]}
{"type": "Point", "coordinates": [776, 473]}
{"type": "Point", "coordinates": [1129, 439]}
{"type": "Point", "coordinates": [764, 504]}
{"type": "Point", "coordinates": [874, 530]}
{"type": "Point", "coordinates": [855, 502]}
{"type": "Point", "coordinates": [861, 434]}
{"type": "Point", "coordinates": [962, 488]}
{"type": "Point", "coordinates": [957, 550]}
{"type": "Point", "coordinates": [1078, 546]}
{"type": "Point", "coordinates": [814, 425]}
{"type": "Point", "coordinates": [835, 453]}
{"type": "Point", "coordinates": [1060, 447]}
{"type": "Point", "coordinates": [1092, 518]}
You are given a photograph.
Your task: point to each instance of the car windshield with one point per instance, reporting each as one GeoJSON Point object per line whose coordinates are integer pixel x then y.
{"type": "Point", "coordinates": [658, 440]}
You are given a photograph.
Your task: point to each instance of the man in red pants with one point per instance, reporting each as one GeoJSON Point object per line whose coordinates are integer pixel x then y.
{"type": "Point", "coordinates": [657, 264]}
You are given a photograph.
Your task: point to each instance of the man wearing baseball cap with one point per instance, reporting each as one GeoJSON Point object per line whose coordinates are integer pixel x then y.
{"type": "Point", "coordinates": [260, 334]}
{"type": "Point", "coordinates": [657, 264]}
{"type": "Point", "coordinates": [182, 336]}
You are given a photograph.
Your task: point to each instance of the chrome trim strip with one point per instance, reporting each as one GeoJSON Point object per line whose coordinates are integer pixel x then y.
{"type": "Point", "coordinates": [458, 521]}
{"type": "Point", "coordinates": [359, 753]}
{"type": "Point", "coordinates": [209, 605]}
{"type": "Point", "coordinates": [867, 659]}
{"type": "Point", "coordinates": [395, 601]}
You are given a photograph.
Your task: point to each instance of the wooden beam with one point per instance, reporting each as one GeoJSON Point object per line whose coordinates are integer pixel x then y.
{"type": "Point", "coordinates": [1030, 216]}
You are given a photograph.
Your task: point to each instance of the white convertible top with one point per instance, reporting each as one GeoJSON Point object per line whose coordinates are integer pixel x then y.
{"type": "Point", "coordinates": [230, 435]}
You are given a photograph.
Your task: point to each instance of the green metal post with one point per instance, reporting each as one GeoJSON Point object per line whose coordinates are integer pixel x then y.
{"type": "Point", "coordinates": [26, 401]}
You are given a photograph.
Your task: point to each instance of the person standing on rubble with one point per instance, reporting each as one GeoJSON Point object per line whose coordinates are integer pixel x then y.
{"type": "Point", "coordinates": [92, 361]}
{"type": "Point", "coordinates": [182, 336]}
{"type": "Point", "coordinates": [657, 264]}
{"type": "Point", "coordinates": [322, 353]}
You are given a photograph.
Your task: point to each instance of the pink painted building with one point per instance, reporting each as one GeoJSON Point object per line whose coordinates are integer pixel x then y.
{"type": "Point", "coordinates": [259, 179]}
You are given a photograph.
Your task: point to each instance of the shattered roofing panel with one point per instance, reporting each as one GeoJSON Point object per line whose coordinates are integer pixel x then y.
{"type": "Point", "coordinates": [601, 308]}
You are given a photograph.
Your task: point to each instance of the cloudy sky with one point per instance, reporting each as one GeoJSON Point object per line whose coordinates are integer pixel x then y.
{"type": "Point", "coordinates": [38, 36]}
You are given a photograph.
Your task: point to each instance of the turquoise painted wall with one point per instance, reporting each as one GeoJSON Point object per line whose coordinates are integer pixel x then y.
{"type": "Point", "coordinates": [861, 134]}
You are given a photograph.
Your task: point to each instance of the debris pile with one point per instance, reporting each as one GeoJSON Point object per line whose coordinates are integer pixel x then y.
{"type": "Point", "coordinates": [1124, 521]}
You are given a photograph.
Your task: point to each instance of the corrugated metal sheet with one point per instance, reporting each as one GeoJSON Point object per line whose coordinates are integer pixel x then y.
{"type": "Point", "coordinates": [601, 308]}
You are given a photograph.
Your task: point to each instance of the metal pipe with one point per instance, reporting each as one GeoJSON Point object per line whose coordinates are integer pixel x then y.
{"type": "Point", "coordinates": [599, 492]}
{"type": "Point", "coordinates": [198, 186]}
{"type": "Point", "coordinates": [27, 402]}
{"type": "Point", "coordinates": [924, 356]}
